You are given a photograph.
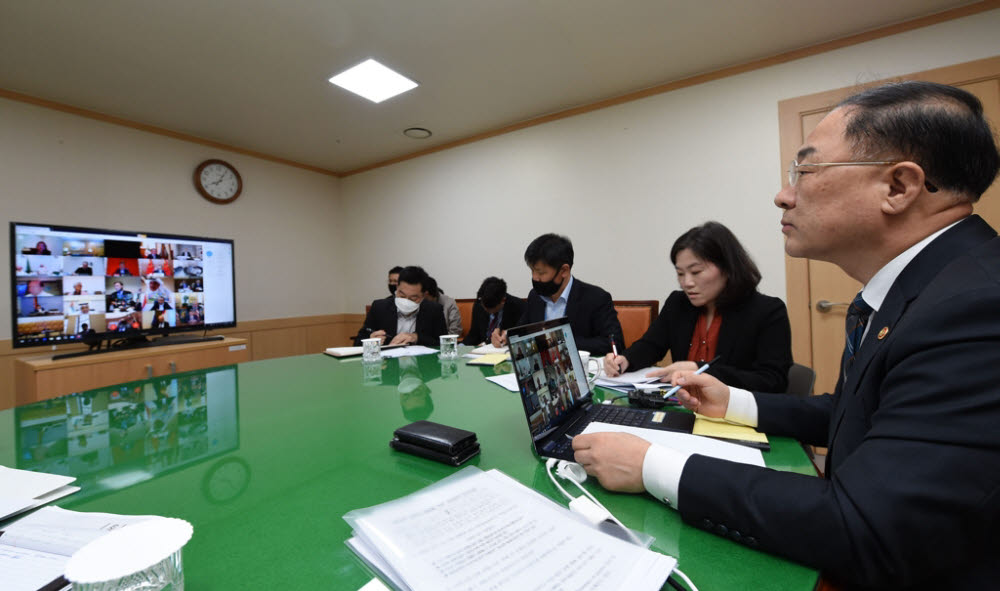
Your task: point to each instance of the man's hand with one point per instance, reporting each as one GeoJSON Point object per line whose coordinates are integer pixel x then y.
{"type": "Point", "coordinates": [614, 365]}
{"type": "Point", "coordinates": [702, 393]}
{"type": "Point", "coordinates": [378, 334]}
{"type": "Point", "coordinates": [666, 374]}
{"type": "Point", "coordinates": [404, 338]}
{"type": "Point", "coordinates": [614, 458]}
{"type": "Point", "coordinates": [498, 338]}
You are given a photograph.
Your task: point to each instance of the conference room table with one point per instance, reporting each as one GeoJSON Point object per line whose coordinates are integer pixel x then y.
{"type": "Point", "coordinates": [264, 458]}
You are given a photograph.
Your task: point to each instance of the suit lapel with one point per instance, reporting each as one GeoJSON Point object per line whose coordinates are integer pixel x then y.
{"type": "Point", "coordinates": [574, 297]}
{"type": "Point", "coordinates": [917, 274]}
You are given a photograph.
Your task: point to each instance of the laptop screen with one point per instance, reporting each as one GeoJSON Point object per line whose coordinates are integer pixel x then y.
{"type": "Point", "coordinates": [550, 376]}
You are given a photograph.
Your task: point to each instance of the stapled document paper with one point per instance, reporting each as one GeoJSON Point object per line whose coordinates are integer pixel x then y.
{"type": "Point", "coordinates": [484, 530]}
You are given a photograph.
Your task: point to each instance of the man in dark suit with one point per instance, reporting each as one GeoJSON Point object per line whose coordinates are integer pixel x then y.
{"type": "Point", "coordinates": [408, 318]}
{"type": "Point", "coordinates": [884, 188]}
{"type": "Point", "coordinates": [556, 293]}
{"type": "Point", "coordinates": [495, 311]}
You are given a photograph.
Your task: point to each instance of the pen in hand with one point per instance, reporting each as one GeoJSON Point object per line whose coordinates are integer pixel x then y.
{"type": "Point", "coordinates": [701, 369]}
{"type": "Point", "coordinates": [614, 351]}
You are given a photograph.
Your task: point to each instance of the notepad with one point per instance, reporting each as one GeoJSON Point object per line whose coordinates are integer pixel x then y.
{"type": "Point", "coordinates": [491, 359]}
{"type": "Point", "coordinates": [723, 429]}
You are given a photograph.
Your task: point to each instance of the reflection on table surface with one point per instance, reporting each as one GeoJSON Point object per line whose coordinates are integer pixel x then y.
{"type": "Point", "coordinates": [264, 459]}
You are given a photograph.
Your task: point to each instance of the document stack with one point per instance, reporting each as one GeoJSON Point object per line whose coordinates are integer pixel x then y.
{"type": "Point", "coordinates": [484, 530]}
{"type": "Point", "coordinates": [21, 490]}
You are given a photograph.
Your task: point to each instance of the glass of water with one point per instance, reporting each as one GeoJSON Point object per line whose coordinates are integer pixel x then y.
{"type": "Point", "coordinates": [371, 350]}
{"type": "Point", "coordinates": [449, 346]}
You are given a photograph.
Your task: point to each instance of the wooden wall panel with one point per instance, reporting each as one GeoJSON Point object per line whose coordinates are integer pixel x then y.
{"type": "Point", "coordinates": [266, 339]}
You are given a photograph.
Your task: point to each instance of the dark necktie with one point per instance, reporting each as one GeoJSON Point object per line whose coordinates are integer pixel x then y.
{"type": "Point", "coordinates": [857, 318]}
{"type": "Point", "coordinates": [495, 318]}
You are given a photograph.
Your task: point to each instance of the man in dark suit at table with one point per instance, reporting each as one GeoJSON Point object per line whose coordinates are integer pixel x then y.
{"type": "Point", "coordinates": [494, 312]}
{"type": "Point", "coordinates": [556, 293]}
{"type": "Point", "coordinates": [884, 188]}
{"type": "Point", "coordinates": [408, 318]}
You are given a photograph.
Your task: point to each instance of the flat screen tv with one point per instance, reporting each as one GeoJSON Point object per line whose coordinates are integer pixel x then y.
{"type": "Point", "coordinates": [71, 284]}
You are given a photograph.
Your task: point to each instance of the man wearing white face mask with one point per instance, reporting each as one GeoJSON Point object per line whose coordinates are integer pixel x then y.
{"type": "Point", "coordinates": [408, 318]}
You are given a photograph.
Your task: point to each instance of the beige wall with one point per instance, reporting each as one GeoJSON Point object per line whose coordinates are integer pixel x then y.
{"type": "Point", "coordinates": [59, 168]}
{"type": "Point", "coordinates": [622, 182]}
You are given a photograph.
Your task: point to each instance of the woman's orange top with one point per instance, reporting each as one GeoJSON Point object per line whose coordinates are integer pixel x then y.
{"type": "Point", "coordinates": [705, 339]}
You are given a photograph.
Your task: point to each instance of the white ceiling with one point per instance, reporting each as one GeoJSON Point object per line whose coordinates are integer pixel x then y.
{"type": "Point", "coordinates": [253, 73]}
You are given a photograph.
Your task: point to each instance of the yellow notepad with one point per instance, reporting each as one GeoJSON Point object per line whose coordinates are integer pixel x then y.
{"type": "Point", "coordinates": [710, 427]}
{"type": "Point", "coordinates": [491, 359]}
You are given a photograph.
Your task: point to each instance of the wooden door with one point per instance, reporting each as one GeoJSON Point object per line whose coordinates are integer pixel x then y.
{"type": "Point", "coordinates": [818, 336]}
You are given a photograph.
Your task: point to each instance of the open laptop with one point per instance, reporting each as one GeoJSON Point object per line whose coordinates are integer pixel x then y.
{"type": "Point", "coordinates": [555, 394]}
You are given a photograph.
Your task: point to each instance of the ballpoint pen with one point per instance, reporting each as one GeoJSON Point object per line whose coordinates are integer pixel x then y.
{"type": "Point", "coordinates": [614, 350]}
{"type": "Point", "coordinates": [701, 369]}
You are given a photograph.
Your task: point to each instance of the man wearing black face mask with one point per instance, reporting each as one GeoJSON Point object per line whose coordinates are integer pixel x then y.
{"type": "Point", "coordinates": [556, 293]}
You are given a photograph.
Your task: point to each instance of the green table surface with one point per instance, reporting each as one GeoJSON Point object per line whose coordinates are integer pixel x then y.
{"type": "Point", "coordinates": [264, 459]}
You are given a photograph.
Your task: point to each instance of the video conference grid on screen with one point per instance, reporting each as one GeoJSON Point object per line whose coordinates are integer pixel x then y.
{"type": "Point", "coordinates": [549, 377]}
{"type": "Point", "coordinates": [69, 282]}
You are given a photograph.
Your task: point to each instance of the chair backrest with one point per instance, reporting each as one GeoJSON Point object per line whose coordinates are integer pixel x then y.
{"type": "Point", "coordinates": [635, 317]}
{"type": "Point", "coordinates": [801, 380]}
{"type": "Point", "coordinates": [465, 306]}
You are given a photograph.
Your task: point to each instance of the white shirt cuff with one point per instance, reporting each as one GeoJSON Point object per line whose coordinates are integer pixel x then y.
{"type": "Point", "coordinates": [661, 472]}
{"type": "Point", "coordinates": [742, 407]}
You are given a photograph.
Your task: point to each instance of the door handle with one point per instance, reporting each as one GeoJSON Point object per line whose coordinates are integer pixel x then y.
{"type": "Point", "coordinates": [825, 306]}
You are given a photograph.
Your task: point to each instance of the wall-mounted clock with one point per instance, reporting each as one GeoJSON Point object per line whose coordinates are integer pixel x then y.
{"type": "Point", "coordinates": [218, 181]}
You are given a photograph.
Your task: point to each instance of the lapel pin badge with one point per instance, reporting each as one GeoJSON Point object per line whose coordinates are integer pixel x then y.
{"type": "Point", "coordinates": [883, 332]}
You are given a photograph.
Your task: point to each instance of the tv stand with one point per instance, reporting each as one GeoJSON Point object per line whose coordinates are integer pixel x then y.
{"type": "Point", "coordinates": [139, 342]}
{"type": "Point", "coordinates": [39, 378]}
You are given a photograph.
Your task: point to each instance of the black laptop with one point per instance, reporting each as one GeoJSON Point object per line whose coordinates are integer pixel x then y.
{"type": "Point", "coordinates": [557, 400]}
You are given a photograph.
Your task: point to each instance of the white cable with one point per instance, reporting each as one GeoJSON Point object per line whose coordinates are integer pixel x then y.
{"type": "Point", "coordinates": [685, 578]}
{"type": "Point", "coordinates": [548, 470]}
{"type": "Point", "coordinates": [566, 472]}
{"type": "Point", "coordinates": [614, 519]}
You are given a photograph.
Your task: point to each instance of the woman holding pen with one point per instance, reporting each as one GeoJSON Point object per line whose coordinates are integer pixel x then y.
{"type": "Point", "coordinates": [717, 313]}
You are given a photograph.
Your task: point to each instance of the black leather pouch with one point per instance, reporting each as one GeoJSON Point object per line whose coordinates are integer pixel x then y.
{"type": "Point", "coordinates": [436, 437]}
{"type": "Point", "coordinates": [458, 459]}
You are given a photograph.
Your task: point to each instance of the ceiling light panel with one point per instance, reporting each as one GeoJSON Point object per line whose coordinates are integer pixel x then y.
{"type": "Point", "coordinates": [373, 81]}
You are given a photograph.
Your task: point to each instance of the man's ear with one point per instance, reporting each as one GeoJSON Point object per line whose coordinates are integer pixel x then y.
{"type": "Point", "coordinates": [904, 183]}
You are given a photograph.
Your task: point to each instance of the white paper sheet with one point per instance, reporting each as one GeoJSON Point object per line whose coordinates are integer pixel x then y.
{"type": "Point", "coordinates": [60, 531]}
{"type": "Point", "coordinates": [21, 490]}
{"type": "Point", "coordinates": [507, 381]}
{"type": "Point", "coordinates": [486, 530]}
{"type": "Point", "coordinates": [408, 351]}
{"type": "Point", "coordinates": [35, 549]}
{"type": "Point", "coordinates": [22, 569]}
{"type": "Point", "coordinates": [489, 349]}
{"type": "Point", "coordinates": [630, 378]}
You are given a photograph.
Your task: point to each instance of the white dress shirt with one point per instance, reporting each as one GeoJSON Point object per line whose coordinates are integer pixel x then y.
{"type": "Point", "coordinates": [557, 309]}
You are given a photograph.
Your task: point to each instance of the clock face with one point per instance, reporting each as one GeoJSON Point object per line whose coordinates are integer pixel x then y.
{"type": "Point", "coordinates": [218, 181]}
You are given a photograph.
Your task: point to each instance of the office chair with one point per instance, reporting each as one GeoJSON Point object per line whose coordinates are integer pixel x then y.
{"type": "Point", "coordinates": [801, 380]}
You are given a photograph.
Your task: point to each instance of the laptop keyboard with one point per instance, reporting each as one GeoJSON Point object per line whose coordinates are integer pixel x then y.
{"type": "Point", "coordinates": [615, 415]}
{"type": "Point", "coordinates": [618, 415]}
